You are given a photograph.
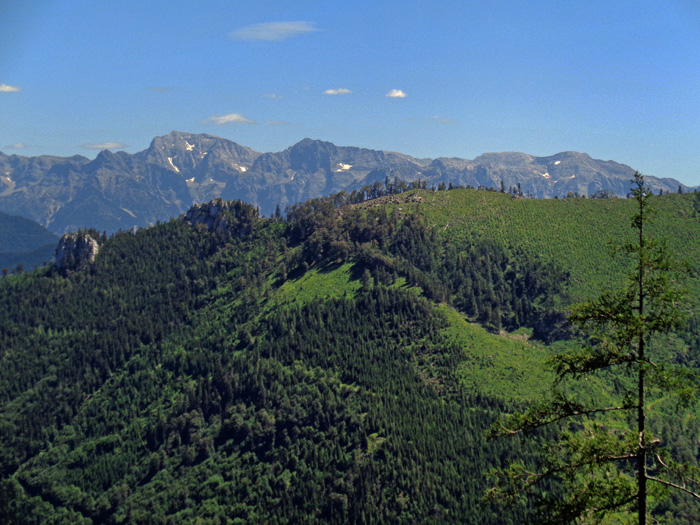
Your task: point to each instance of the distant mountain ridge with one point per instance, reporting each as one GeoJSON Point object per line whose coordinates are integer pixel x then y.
{"type": "Point", "coordinates": [120, 190]}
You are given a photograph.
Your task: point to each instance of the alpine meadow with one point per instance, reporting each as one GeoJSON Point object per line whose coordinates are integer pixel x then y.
{"type": "Point", "coordinates": [352, 359]}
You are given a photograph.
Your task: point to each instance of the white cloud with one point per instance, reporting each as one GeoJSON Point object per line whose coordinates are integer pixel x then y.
{"type": "Point", "coordinates": [273, 31]}
{"type": "Point", "coordinates": [4, 88]}
{"type": "Point", "coordinates": [105, 145]}
{"type": "Point", "coordinates": [228, 119]}
{"type": "Point", "coordinates": [17, 145]}
{"type": "Point", "coordinates": [272, 95]}
{"type": "Point", "coordinates": [341, 91]}
{"type": "Point", "coordinates": [396, 93]}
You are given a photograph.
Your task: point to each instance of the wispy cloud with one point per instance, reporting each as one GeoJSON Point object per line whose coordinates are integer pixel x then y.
{"type": "Point", "coordinates": [235, 118]}
{"type": "Point", "coordinates": [17, 145]}
{"type": "Point", "coordinates": [105, 145]}
{"type": "Point", "coordinates": [442, 120]}
{"type": "Point", "coordinates": [272, 95]}
{"type": "Point", "coordinates": [341, 91]}
{"type": "Point", "coordinates": [4, 88]}
{"type": "Point", "coordinates": [273, 31]}
{"type": "Point", "coordinates": [396, 93]}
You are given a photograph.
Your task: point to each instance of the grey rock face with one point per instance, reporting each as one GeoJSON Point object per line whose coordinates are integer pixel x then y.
{"type": "Point", "coordinates": [227, 219]}
{"type": "Point", "coordinates": [76, 251]}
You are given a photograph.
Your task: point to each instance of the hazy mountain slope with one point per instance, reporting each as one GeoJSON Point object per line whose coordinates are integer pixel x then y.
{"type": "Point", "coordinates": [23, 241]}
{"type": "Point", "coordinates": [16, 261]}
{"type": "Point", "coordinates": [118, 190]}
{"type": "Point", "coordinates": [18, 234]}
{"type": "Point", "coordinates": [120, 193]}
{"type": "Point", "coordinates": [35, 187]}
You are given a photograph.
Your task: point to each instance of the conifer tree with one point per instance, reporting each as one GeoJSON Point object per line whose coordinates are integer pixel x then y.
{"type": "Point", "coordinates": [604, 459]}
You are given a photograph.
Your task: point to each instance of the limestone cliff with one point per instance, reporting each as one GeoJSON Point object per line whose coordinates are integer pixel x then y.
{"type": "Point", "coordinates": [76, 251]}
{"type": "Point", "coordinates": [227, 218]}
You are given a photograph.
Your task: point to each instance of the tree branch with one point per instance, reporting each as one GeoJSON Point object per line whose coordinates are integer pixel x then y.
{"type": "Point", "coordinates": [529, 479]}
{"type": "Point", "coordinates": [615, 505]}
{"type": "Point", "coordinates": [533, 425]}
{"type": "Point", "coordinates": [679, 487]}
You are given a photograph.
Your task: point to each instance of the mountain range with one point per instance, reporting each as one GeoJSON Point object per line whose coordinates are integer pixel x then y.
{"type": "Point", "coordinates": [121, 190]}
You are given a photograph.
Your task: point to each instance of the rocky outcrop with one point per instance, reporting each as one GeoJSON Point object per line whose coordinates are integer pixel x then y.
{"type": "Point", "coordinates": [76, 251]}
{"type": "Point", "coordinates": [227, 219]}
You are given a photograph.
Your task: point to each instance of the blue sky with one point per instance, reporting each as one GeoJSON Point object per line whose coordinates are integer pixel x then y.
{"type": "Point", "coordinates": [615, 79]}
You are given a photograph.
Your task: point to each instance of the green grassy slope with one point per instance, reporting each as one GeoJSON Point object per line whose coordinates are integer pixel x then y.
{"type": "Point", "coordinates": [503, 365]}
{"type": "Point", "coordinates": [574, 233]}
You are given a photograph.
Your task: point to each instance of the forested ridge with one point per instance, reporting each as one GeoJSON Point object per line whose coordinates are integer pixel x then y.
{"type": "Point", "coordinates": [338, 364]}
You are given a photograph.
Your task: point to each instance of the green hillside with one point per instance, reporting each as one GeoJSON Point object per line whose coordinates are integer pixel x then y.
{"type": "Point", "coordinates": [572, 232]}
{"type": "Point", "coordinates": [339, 366]}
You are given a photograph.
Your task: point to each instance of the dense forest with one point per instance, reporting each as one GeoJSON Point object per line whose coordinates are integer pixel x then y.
{"type": "Point", "coordinates": [340, 362]}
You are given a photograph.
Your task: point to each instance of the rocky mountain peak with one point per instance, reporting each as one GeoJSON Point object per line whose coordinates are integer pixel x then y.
{"type": "Point", "coordinates": [107, 159]}
{"type": "Point", "coordinates": [307, 142]}
{"type": "Point", "coordinates": [194, 156]}
{"type": "Point", "coordinates": [312, 155]}
{"type": "Point", "coordinates": [507, 158]}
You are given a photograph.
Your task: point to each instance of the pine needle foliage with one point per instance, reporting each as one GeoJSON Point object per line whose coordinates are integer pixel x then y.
{"type": "Point", "coordinates": [605, 460]}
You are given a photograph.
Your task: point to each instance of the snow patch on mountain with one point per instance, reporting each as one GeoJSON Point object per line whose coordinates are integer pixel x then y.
{"type": "Point", "coordinates": [170, 160]}
{"type": "Point", "coordinates": [9, 185]}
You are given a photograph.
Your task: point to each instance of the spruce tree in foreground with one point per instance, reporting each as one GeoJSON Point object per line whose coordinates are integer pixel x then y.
{"type": "Point", "coordinates": [605, 461]}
